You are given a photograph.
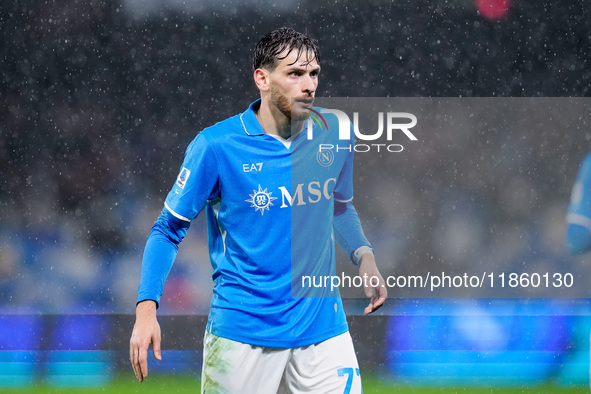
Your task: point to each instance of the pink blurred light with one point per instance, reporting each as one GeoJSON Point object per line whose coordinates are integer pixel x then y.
{"type": "Point", "coordinates": [493, 9]}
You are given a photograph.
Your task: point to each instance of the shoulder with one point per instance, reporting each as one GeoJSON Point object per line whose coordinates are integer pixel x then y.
{"type": "Point", "coordinates": [227, 129]}
{"type": "Point", "coordinates": [216, 134]}
{"type": "Point", "coordinates": [222, 130]}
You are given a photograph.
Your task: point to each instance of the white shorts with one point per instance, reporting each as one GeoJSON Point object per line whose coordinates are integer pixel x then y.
{"type": "Point", "coordinates": [231, 367]}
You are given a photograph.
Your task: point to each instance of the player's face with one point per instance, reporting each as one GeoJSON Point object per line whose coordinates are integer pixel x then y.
{"type": "Point", "coordinates": [295, 78]}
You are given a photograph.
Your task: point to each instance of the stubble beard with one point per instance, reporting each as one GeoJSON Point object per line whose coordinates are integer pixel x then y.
{"type": "Point", "coordinates": [283, 104]}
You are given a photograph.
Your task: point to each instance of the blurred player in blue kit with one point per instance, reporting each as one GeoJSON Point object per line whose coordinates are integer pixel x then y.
{"type": "Point", "coordinates": [273, 206]}
{"type": "Point", "coordinates": [578, 218]}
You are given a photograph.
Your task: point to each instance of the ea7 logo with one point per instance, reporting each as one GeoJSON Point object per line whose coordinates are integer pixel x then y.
{"type": "Point", "coordinates": [392, 124]}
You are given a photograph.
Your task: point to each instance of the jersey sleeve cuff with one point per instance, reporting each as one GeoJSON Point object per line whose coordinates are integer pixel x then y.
{"type": "Point", "coordinates": [148, 299]}
{"type": "Point", "coordinates": [356, 255]}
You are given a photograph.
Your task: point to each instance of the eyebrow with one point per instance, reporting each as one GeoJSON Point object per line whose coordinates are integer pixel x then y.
{"type": "Point", "coordinates": [301, 67]}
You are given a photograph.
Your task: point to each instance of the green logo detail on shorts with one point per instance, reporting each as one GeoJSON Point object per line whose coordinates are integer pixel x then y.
{"type": "Point", "coordinates": [216, 365]}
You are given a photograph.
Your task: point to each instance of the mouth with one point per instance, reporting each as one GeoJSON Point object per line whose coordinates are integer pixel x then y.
{"type": "Point", "coordinates": [306, 102]}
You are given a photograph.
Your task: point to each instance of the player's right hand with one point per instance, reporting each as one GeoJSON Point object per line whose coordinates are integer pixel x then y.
{"type": "Point", "coordinates": [377, 294]}
{"type": "Point", "coordinates": [146, 331]}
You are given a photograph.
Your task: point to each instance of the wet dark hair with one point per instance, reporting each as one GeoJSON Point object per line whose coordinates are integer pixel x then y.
{"type": "Point", "coordinates": [272, 44]}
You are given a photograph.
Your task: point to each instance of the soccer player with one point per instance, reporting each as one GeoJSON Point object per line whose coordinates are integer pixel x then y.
{"type": "Point", "coordinates": [578, 218]}
{"type": "Point", "coordinates": [274, 206]}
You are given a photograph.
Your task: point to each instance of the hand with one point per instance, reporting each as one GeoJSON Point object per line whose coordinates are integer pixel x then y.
{"type": "Point", "coordinates": [379, 293]}
{"type": "Point", "coordinates": [146, 331]}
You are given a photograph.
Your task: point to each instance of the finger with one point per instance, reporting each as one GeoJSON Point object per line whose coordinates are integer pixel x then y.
{"type": "Point", "coordinates": [368, 309]}
{"type": "Point", "coordinates": [370, 291]}
{"type": "Point", "coordinates": [378, 304]}
{"type": "Point", "coordinates": [375, 294]}
{"type": "Point", "coordinates": [377, 291]}
{"type": "Point", "coordinates": [371, 294]}
{"type": "Point", "coordinates": [131, 358]}
{"type": "Point", "coordinates": [135, 363]}
{"type": "Point", "coordinates": [381, 292]}
{"type": "Point", "coordinates": [157, 350]}
{"type": "Point", "coordinates": [143, 364]}
{"type": "Point", "coordinates": [374, 305]}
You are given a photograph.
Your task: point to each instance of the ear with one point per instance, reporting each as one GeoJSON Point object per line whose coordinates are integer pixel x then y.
{"type": "Point", "coordinates": [261, 79]}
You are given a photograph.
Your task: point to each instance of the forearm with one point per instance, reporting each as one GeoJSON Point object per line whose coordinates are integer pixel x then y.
{"type": "Point", "coordinates": [348, 231]}
{"type": "Point", "coordinates": [159, 254]}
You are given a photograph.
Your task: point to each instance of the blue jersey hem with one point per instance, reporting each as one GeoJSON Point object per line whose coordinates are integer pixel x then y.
{"type": "Point", "coordinates": [272, 342]}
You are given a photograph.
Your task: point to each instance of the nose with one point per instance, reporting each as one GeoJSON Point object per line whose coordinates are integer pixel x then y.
{"type": "Point", "coordinates": [309, 84]}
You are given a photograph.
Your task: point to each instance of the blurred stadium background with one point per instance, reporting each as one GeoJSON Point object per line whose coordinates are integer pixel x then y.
{"type": "Point", "coordinates": [100, 98]}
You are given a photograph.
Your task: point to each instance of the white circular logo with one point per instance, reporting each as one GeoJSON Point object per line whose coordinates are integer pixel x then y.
{"type": "Point", "coordinates": [261, 200]}
{"type": "Point", "coordinates": [325, 157]}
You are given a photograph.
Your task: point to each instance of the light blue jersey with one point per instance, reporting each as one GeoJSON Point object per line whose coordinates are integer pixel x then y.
{"type": "Point", "coordinates": [270, 205]}
{"type": "Point", "coordinates": [578, 234]}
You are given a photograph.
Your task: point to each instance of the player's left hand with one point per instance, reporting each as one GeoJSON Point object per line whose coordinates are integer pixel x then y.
{"type": "Point", "coordinates": [378, 293]}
